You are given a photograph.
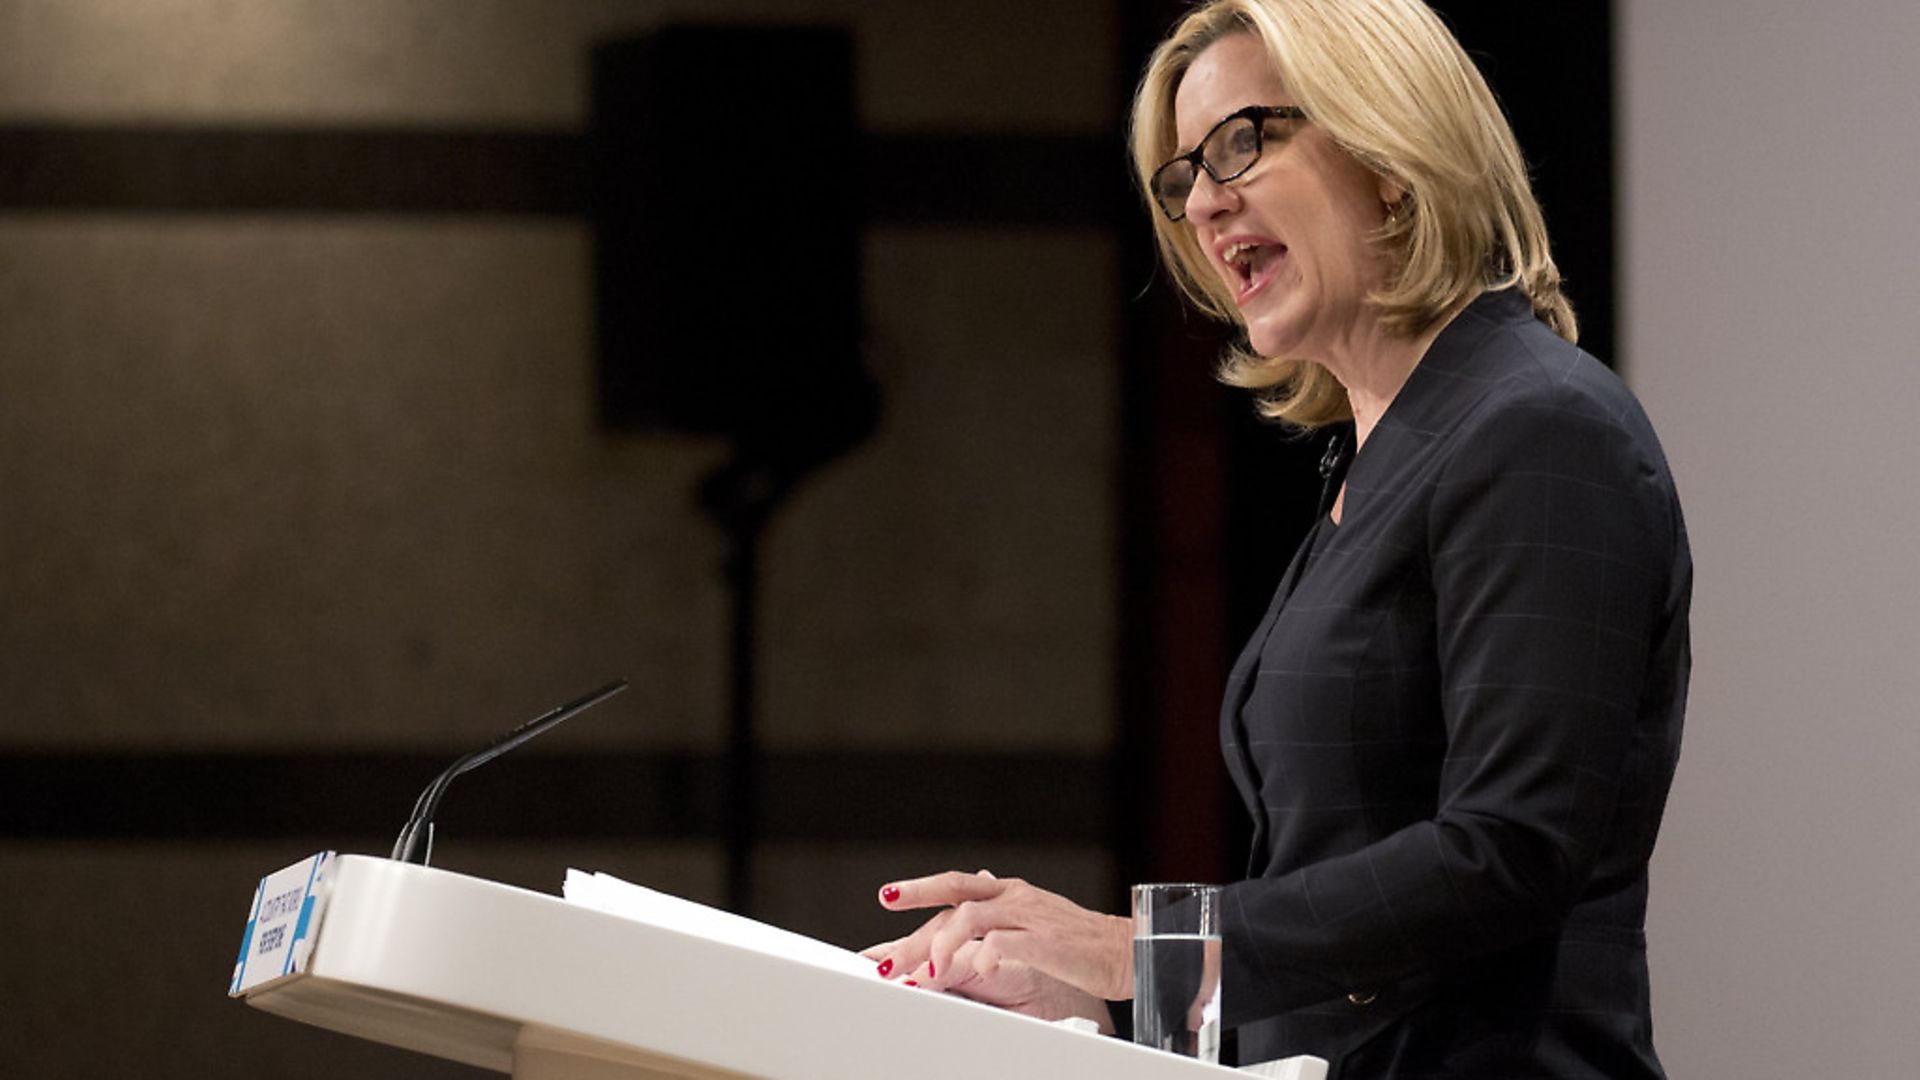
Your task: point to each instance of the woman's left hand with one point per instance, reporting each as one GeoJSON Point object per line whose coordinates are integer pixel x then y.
{"type": "Point", "coordinates": [1015, 987]}
{"type": "Point", "coordinates": [990, 923]}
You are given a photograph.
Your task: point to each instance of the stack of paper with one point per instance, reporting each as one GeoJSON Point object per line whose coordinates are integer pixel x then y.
{"type": "Point", "coordinates": [604, 892]}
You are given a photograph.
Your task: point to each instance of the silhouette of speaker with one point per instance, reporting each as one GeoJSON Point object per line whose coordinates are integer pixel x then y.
{"type": "Point", "coordinates": [726, 208]}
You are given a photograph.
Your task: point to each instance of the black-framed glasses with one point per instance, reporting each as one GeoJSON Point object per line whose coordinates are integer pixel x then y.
{"type": "Point", "coordinates": [1226, 152]}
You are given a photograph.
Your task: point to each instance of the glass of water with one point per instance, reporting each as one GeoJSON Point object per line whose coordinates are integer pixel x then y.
{"type": "Point", "coordinates": [1176, 969]}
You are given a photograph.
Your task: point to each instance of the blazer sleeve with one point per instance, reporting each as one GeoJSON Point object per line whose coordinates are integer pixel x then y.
{"type": "Point", "coordinates": [1552, 534]}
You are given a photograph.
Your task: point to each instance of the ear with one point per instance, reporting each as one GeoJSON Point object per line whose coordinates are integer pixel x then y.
{"type": "Point", "coordinates": [1391, 191]}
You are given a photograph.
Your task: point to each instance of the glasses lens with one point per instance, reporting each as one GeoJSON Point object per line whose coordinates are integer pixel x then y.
{"type": "Point", "coordinates": [1232, 148]}
{"type": "Point", "coordinates": [1171, 186]}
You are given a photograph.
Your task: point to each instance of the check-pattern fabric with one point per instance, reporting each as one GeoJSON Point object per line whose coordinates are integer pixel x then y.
{"type": "Point", "coordinates": [1456, 729]}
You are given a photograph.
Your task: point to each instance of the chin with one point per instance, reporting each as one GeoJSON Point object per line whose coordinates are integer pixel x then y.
{"type": "Point", "coordinates": [1277, 329]}
{"type": "Point", "coordinates": [1273, 342]}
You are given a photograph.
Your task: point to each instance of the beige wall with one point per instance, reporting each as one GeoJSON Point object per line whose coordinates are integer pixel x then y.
{"type": "Point", "coordinates": [293, 482]}
{"type": "Point", "coordinates": [337, 482]}
{"type": "Point", "coordinates": [1771, 323]}
{"type": "Point", "coordinates": [1004, 64]}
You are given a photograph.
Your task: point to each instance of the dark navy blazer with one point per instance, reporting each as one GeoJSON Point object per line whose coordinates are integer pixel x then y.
{"type": "Point", "coordinates": [1456, 727]}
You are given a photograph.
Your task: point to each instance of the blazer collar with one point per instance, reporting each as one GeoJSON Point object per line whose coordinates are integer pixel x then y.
{"type": "Point", "coordinates": [1442, 388]}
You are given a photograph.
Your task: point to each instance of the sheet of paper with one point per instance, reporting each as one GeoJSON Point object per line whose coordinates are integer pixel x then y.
{"type": "Point", "coordinates": [604, 892]}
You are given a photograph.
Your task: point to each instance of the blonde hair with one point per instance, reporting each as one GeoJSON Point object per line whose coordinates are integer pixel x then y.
{"type": "Point", "coordinates": [1388, 82]}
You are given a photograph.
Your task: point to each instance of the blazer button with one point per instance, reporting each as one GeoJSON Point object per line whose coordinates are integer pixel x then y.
{"type": "Point", "coordinates": [1363, 997]}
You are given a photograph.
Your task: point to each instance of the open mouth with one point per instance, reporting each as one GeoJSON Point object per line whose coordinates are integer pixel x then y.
{"type": "Point", "coordinates": [1252, 265]}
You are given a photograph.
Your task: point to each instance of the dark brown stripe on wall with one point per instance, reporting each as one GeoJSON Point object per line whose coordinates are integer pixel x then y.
{"type": "Point", "coordinates": [912, 179]}
{"type": "Point", "coordinates": [335, 796]}
{"type": "Point", "coordinates": [240, 170]}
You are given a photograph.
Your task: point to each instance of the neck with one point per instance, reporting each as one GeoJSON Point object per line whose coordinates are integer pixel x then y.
{"type": "Point", "coordinates": [1376, 366]}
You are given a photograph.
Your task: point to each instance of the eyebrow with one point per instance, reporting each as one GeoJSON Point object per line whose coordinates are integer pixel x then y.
{"type": "Point", "coordinates": [1180, 151]}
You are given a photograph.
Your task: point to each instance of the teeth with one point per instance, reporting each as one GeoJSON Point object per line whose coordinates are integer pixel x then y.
{"type": "Point", "coordinates": [1237, 253]}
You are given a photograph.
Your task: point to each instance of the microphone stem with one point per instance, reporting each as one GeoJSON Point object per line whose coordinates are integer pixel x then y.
{"type": "Point", "coordinates": [415, 842]}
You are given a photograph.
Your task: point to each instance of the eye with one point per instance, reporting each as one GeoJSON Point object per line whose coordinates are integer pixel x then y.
{"type": "Point", "coordinates": [1177, 182]}
{"type": "Point", "coordinates": [1279, 128]}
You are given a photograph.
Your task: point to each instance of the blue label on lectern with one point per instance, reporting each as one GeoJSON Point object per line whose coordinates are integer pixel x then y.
{"type": "Point", "coordinates": [286, 914]}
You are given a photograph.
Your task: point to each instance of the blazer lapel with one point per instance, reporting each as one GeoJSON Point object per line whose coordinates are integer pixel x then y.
{"type": "Point", "coordinates": [1233, 733]}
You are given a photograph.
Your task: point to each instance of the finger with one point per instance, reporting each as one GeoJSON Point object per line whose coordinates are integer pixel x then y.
{"type": "Point", "coordinates": [972, 969]}
{"type": "Point", "coordinates": [882, 956]}
{"type": "Point", "coordinates": [969, 922]}
{"type": "Point", "coordinates": [939, 890]}
{"type": "Point", "coordinates": [962, 965]}
{"type": "Point", "coordinates": [910, 953]}
{"type": "Point", "coordinates": [982, 957]}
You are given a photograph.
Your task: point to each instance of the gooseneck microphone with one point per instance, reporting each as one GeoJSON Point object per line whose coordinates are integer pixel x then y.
{"type": "Point", "coordinates": [415, 844]}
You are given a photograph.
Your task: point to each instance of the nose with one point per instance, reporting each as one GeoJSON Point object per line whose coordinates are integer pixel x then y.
{"type": "Point", "coordinates": [1209, 199]}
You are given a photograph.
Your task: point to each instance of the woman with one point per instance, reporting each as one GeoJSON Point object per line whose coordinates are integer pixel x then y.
{"type": "Point", "coordinates": [1456, 727]}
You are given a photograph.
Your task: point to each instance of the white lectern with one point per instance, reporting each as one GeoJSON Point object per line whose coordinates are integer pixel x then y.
{"type": "Point", "coordinates": [521, 982]}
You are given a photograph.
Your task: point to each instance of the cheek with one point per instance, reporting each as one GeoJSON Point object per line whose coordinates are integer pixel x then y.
{"type": "Point", "coordinates": [1341, 258]}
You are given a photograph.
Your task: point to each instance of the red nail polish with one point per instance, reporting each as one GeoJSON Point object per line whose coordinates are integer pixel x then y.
{"type": "Point", "coordinates": [886, 967]}
{"type": "Point", "coordinates": [909, 982]}
{"type": "Point", "coordinates": [890, 893]}
{"type": "Point", "coordinates": [931, 974]}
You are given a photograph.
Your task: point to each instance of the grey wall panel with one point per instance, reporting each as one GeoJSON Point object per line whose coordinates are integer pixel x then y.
{"type": "Point", "coordinates": [1769, 253]}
